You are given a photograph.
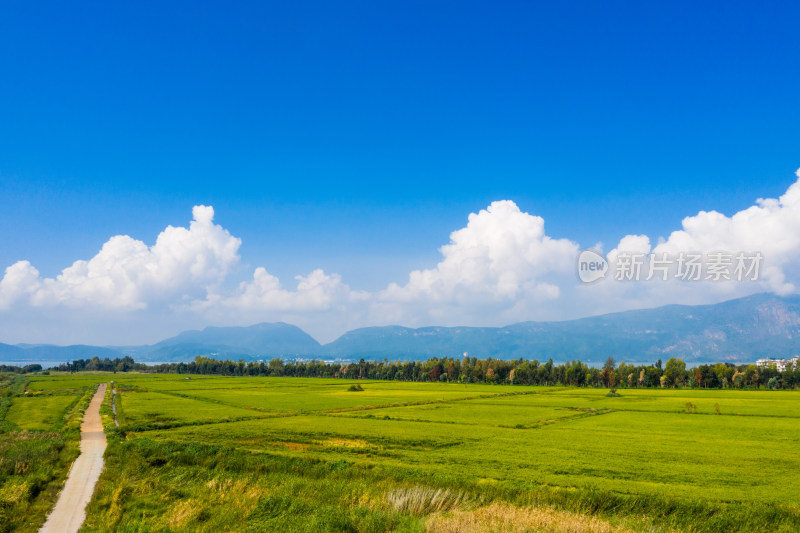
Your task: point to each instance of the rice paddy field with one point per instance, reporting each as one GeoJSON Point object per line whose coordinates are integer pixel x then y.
{"type": "Point", "coordinates": [39, 436]}
{"type": "Point", "coordinates": [197, 453]}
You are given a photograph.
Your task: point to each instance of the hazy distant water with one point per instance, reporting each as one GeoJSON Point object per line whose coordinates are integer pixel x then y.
{"type": "Point", "coordinates": [25, 362]}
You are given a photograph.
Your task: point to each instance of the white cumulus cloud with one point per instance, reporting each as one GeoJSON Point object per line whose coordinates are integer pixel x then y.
{"type": "Point", "coordinates": [501, 257]}
{"type": "Point", "coordinates": [20, 280]}
{"type": "Point", "coordinates": [770, 227]}
{"type": "Point", "coordinates": [317, 291]}
{"type": "Point", "coordinates": [126, 274]}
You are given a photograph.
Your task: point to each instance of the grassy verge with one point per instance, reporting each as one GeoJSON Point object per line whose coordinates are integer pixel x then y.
{"type": "Point", "coordinates": [34, 464]}
{"type": "Point", "coordinates": [163, 486]}
{"type": "Point", "coordinates": [179, 486]}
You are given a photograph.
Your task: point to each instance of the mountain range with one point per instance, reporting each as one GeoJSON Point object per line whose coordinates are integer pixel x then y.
{"type": "Point", "coordinates": [741, 330]}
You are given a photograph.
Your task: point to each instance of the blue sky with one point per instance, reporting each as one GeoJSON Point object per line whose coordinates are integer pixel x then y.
{"type": "Point", "coordinates": [355, 137]}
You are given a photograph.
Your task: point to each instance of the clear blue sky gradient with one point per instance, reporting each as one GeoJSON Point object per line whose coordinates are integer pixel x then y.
{"type": "Point", "coordinates": [356, 136]}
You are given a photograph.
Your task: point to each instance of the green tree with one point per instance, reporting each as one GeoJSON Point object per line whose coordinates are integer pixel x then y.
{"type": "Point", "coordinates": [608, 375]}
{"type": "Point", "coordinates": [276, 367]}
{"type": "Point", "coordinates": [675, 373]}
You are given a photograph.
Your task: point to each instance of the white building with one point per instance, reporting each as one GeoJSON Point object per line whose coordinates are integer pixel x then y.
{"type": "Point", "coordinates": [779, 364]}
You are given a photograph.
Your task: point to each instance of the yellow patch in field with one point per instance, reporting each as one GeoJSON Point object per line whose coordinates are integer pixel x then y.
{"type": "Point", "coordinates": [184, 512]}
{"type": "Point", "coordinates": [251, 441]}
{"type": "Point", "coordinates": [346, 443]}
{"type": "Point", "coordinates": [12, 493]}
{"type": "Point", "coordinates": [294, 446]}
{"type": "Point", "coordinates": [501, 517]}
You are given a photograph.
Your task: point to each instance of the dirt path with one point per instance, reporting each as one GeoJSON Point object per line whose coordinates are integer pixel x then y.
{"type": "Point", "coordinates": [70, 510]}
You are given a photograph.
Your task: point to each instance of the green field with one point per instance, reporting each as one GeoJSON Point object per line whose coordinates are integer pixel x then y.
{"type": "Point", "coordinates": [293, 454]}
{"type": "Point", "coordinates": [635, 444]}
{"type": "Point", "coordinates": [39, 435]}
{"type": "Point", "coordinates": [39, 412]}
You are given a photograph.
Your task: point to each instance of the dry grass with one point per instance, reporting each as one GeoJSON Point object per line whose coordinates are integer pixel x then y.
{"type": "Point", "coordinates": [501, 517]}
{"type": "Point", "coordinates": [13, 492]}
{"type": "Point", "coordinates": [184, 512]}
{"type": "Point", "coordinates": [294, 446]}
{"type": "Point", "coordinates": [346, 443]}
{"type": "Point", "coordinates": [420, 501]}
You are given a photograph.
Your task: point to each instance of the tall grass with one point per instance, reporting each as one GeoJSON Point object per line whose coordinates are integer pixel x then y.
{"type": "Point", "coordinates": [421, 501]}
{"type": "Point", "coordinates": [148, 485]}
{"type": "Point", "coordinates": [501, 517]}
{"type": "Point", "coordinates": [34, 464]}
{"type": "Point", "coordinates": [151, 485]}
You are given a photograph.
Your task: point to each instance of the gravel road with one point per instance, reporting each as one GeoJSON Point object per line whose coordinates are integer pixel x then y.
{"type": "Point", "coordinates": [70, 510]}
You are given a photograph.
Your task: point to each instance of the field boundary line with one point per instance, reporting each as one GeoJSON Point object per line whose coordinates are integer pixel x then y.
{"type": "Point", "coordinates": [536, 425]}
{"type": "Point", "coordinates": [346, 409]}
{"type": "Point", "coordinates": [201, 399]}
{"type": "Point", "coordinates": [316, 412]}
{"type": "Point", "coordinates": [415, 403]}
{"type": "Point", "coordinates": [177, 425]}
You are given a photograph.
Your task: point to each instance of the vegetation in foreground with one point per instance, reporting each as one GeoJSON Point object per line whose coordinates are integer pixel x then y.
{"type": "Point", "coordinates": [39, 437]}
{"type": "Point", "coordinates": [198, 453]}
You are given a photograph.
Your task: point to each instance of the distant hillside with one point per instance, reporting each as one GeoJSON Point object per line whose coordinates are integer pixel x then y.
{"type": "Point", "coordinates": [8, 351]}
{"type": "Point", "coordinates": [739, 330]}
{"type": "Point", "coordinates": [266, 339]}
{"type": "Point", "coordinates": [407, 343]}
{"type": "Point", "coordinates": [253, 342]}
{"type": "Point", "coordinates": [50, 352]}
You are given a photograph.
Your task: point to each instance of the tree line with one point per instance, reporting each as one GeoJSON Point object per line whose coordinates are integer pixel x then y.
{"type": "Point", "coordinates": [673, 373]}
{"type": "Point", "coordinates": [15, 369]}
{"type": "Point", "coordinates": [95, 364]}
